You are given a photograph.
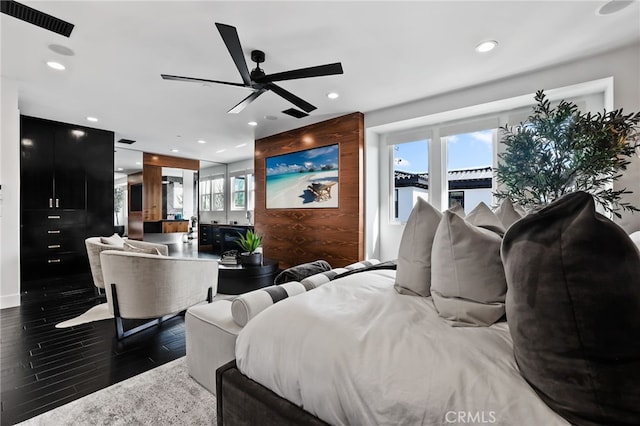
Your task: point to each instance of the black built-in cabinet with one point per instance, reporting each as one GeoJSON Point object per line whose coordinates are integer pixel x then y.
{"type": "Point", "coordinates": [66, 195]}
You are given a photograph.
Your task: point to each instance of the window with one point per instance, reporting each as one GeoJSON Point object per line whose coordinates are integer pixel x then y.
{"type": "Point", "coordinates": [410, 176]}
{"type": "Point", "coordinates": [238, 192]}
{"type": "Point", "coordinates": [469, 168]}
{"type": "Point", "coordinates": [212, 194]}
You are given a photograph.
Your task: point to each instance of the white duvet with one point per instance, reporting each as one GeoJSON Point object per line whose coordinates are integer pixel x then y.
{"type": "Point", "coordinates": [355, 352]}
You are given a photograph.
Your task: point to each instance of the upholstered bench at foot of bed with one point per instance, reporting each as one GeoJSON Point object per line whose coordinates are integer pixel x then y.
{"type": "Point", "coordinates": [211, 340]}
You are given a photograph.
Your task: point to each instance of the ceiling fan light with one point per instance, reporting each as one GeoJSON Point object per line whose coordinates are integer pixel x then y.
{"type": "Point", "coordinates": [56, 65]}
{"type": "Point", "coordinates": [486, 46]}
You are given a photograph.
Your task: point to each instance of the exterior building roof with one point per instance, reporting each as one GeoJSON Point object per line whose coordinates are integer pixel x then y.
{"type": "Point", "coordinates": [469, 178]}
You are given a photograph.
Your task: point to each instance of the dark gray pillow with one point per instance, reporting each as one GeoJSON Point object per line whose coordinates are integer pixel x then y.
{"type": "Point", "coordinates": [302, 271]}
{"type": "Point", "coordinates": [573, 308]}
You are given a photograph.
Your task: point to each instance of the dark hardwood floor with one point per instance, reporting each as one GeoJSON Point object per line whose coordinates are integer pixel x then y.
{"type": "Point", "coordinates": [44, 367]}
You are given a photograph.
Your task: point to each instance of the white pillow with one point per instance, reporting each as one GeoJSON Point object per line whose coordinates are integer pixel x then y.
{"type": "Point", "coordinates": [413, 274]}
{"type": "Point", "coordinates": [468, 283]}
{"type": "Point", "coordinates": [248, 305]}
{"type": "Point", "coordinates": [132, 249]}
{"type": "Point", "coordinates": [114, 240]}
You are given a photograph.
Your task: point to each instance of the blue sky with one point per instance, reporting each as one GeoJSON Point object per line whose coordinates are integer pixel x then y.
{"type": "Point", "coordinates": [296, 161]}
{"type": "Point", "coordinates": [463, 151]}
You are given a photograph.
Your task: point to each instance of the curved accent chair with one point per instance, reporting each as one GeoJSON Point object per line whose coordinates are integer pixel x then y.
{"type": "Point", "coordinates": [149, 286]}
{"type": "Point", "coordinates": [95, 246]}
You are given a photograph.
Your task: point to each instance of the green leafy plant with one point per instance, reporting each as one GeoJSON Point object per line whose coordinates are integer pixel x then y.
{"type": "Point", "coordinates": [249, 241]}
{"type": "Point", "coordinates": [561, 150]}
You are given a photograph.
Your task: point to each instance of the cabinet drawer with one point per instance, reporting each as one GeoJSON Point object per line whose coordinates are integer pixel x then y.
{"type": "Point", "coordinates": [38, 241]}
{"type": "Point", "coordinates": [58, 264]}
{"type": "Point", "coordinates": [54, 218]}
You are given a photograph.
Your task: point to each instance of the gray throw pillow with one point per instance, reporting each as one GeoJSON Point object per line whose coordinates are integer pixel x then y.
{"type": "Point", "coordinates": [507, 213]}
{"type": "Point", "coordinates": [467, 278]}
{"type": "Point", "coordinates": [132, 249]}
{"type": "Point", "coordinates": [573, 307]}
{"type": "Point", "coordinates": [413, 274]}
{"type": "Point", "coordinates": [302, 271]}
{"type": "Point", "coordinates": [483, 217]}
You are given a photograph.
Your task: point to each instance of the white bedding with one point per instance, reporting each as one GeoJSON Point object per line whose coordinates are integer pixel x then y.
{"type": "Point", "coordinates": [355, 352]}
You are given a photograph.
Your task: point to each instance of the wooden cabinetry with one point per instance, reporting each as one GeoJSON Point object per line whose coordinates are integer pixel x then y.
{"type": "Point", "coordinates": [175, 226]}
{"type": "Point", "coordinates": [66, 195]}
{"type": "Point", "coordinates": [152, 193]}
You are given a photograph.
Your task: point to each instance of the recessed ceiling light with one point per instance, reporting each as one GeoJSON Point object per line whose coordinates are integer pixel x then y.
{"type": "Point", "coordinates": [252, 123]}
{"type": "Point", "coordinates": [174, 150]}
{"type": "Point", "coordinates": [138, 163]}
{"type": "Point", "coordinates": [613, 6]}
{"type": "Point", "coordinates": [220, 150]}
{"type": "Point", "coordinates": [241, 145]}
{"type": "Point", "coordinates": [56, 65]}
{"type": "Point", "coordinates": [120, 169]}
{"type": "Point", "coordinates": [202, 141]}
{"type": "Point", "coordinates": [333, 95]}
{"type": "Point", "coordinates": [62, 50]}
{"type": "Point", "coordinates": [486, 46]}
{"type": "Point", "coordinates": [92, 119]}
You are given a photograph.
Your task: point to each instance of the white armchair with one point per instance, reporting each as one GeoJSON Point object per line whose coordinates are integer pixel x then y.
{"type": "Point", "coordinates": [145, 286]}
{"type": "Point", "coordinates": [95, 246]}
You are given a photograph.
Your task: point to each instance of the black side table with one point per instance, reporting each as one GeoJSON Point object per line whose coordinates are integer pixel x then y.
{"type": "Point", "coordinates": [238, 279]}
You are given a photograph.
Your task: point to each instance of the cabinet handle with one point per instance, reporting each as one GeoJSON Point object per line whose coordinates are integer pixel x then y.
{"type": "Point", "coordinates": [57, 231]}
{"type": "Point", "coordinates": [53, 217]}
{"type": "Point", "coordinates": [50, 203]}
{"type": "Point", "coordinates": [57, 203]}
{"type": "Point", "coordinates": [53, 261]}
{"type": "Point", "coordinates": [53, 246]}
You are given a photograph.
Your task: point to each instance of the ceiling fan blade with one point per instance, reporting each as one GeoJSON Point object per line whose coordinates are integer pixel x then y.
{"type": "Point", "coordinates": [300, 103]}
{"type": "Point", "coordinates": [198, 80]}
{"type": "Point", "coordinates": [295, 113]}
{"type": "Point", "coordinates": [317, 71]}
{"type": "Point", "coordinates": [230, 37]}
{"type": "Point", "coordinates": [246, 101]}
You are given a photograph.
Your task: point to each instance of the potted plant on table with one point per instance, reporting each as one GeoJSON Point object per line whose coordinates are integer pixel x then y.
{"type": "Point", "coordinates": [249, 242]}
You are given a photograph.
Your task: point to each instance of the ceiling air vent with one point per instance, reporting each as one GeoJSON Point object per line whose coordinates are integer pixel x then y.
{"type": "Point", "coordinates": [127, 141]}
{"type": "Point", "coordinates": [295, 113]}
{"type": "Point", "coordinates": [35, 17]}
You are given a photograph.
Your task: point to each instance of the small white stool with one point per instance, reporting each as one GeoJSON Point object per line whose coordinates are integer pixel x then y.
{"type": "Point", "coordinates": [211, 340]}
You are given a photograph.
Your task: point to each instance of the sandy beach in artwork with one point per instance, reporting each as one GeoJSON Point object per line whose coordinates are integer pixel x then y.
{"type": "Point", "coordinates": [291, 190]}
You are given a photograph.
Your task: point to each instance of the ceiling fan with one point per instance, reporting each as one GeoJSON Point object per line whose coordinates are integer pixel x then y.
{"type": "Point", "coordinates": [257, 80]}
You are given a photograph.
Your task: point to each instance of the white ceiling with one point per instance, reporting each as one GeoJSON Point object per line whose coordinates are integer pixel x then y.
{"type": "Point", "coordinates": [392, 52]}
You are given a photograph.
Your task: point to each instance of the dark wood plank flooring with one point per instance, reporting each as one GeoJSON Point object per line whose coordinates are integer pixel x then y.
{"type": "Point", "coordinates": [44, 367]}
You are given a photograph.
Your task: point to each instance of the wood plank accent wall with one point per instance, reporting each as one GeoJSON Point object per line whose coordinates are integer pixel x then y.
{"type": "Point", "coordinates": [295, 236]}
{"type": "Point", "coordinates": [135, 231]}
{"type": "Point", "coordinates": [168, 161]}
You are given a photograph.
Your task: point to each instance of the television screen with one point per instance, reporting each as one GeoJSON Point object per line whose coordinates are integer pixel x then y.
{"type": "Point", "coordinates": [303, 179]}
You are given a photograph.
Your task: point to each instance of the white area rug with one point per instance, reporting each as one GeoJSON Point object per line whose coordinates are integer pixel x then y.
{"type": "Point", "coordinates": [166, 395]}
{"type": "Point", "coordinates": [97, 313]}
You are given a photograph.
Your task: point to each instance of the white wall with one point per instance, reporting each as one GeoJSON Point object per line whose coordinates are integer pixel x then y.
{"type": "Point", "coordinates": [10, 198]}
{"type": "Point", "coordinates": [622, 64]}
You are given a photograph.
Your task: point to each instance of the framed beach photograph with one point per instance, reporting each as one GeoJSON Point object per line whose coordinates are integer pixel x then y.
{"type": "Point", "coordinates": [303, 179]}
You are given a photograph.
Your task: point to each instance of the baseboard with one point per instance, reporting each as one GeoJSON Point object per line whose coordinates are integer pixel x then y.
{"type": "Point", "coordinates": [10, 301]}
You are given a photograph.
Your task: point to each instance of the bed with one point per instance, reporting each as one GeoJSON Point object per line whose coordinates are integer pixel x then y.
{"type": "Point", "coordinates": [359, 353]}
{"type": "Point", "coordinates": [428, 344]}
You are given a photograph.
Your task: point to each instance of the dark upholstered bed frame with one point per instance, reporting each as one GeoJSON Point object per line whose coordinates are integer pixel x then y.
{"type": "Point", "coordinates": [241, 401]}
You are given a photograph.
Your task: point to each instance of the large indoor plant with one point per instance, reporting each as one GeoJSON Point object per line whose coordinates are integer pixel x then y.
{"type": "Point", "coordinates": [559, 150]}
{"type": "Point", "coordinates": [249, 242]}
